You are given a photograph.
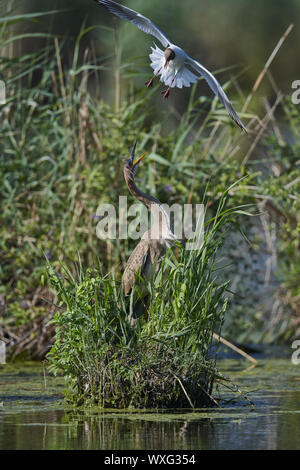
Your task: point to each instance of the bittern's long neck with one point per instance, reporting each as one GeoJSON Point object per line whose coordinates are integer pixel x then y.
{"type": "Point", "coordinates": [162, 227]}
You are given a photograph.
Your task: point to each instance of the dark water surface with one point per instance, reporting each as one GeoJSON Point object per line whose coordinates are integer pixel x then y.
{"type": "Point", "coordinates": [32, 415]}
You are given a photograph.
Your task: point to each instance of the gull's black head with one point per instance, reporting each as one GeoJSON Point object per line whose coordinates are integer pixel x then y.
{"type": "Point", "coordinates": [169, 55]}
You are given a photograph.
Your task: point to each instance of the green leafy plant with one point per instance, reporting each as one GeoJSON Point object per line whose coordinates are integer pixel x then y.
{"type": "Point", "coordinates": [166, 359]}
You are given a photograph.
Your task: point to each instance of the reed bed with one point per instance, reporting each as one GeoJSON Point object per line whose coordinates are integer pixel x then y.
{"type": "Point", "coordinates": [63, 145]}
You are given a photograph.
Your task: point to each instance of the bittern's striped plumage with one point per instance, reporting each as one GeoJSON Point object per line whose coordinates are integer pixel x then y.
{"type": "Point", "coordinates": [146, 258]}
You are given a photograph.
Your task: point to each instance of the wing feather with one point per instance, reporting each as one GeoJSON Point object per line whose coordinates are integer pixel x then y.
{"type": "Point", "coordinates": [140, 21]}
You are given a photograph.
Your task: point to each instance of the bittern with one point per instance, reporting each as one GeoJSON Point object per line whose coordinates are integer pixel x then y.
{"type": "Point", "coordinates": [172, 64]}
{"type": "Point", "coordinates": [146, 258]}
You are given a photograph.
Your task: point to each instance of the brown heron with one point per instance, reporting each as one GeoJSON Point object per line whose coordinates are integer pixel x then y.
{"type": "Point", "coordinates": [146, 258]}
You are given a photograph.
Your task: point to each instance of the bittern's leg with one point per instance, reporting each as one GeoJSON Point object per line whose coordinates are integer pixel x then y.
{"type": "Point", "coordinates": [149, 83]}
{"type": "Point", "coordinates": [166, 93]}
{"type": "Point", "coordinates": [139, 308]}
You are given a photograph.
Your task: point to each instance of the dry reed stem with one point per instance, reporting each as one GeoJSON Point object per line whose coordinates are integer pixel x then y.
{"type": "Point", "coordinates": [236, 389]}
{"type": "Point", "coordinates": [266, 121]}
{"type": "Point", "coordinates": [210, 396]}
{"type": "Point", "coordinates": [60, 69]}
{"type": "Point", "coordinates": [274, 123]}
{"type": "Point", "coordinates": [235, 348]}
{"type": "Point", "coordinates": [266, 67]}
{"type": "Point", "coordinates": [184, 391]}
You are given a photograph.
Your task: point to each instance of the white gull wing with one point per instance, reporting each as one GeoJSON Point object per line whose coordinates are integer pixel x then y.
{"type": "Point", "coordinates": [140, 21]}
{"type": "Point", "coordinates": [217, 89]}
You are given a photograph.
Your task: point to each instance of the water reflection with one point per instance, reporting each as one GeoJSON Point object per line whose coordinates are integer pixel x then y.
{"type": "Point", "coordinates": [272, 424]}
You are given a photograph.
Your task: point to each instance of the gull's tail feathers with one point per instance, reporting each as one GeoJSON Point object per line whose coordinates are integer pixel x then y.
{"type": "Point", "coordinates": [183, 78]}
{"type": "Point", "coordinates": [157, 59]}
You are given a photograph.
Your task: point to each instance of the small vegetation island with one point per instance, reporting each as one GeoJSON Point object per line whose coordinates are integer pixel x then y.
{"type": "Point", "coordinates": [138, 324]}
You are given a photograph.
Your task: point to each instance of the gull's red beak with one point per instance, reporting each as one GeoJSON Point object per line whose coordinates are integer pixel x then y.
{"type": "Point", "coordinates": [167, 63]}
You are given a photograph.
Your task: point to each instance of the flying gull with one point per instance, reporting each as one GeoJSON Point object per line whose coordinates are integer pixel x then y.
{"type": "Point", "coordinates": [171, 64]}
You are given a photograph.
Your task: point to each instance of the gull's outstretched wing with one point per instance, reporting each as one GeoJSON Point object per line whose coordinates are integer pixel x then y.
{"type": "Point", "coordinates": [138, 20]}
{"type": "Point", "coordinates": [217, 89]}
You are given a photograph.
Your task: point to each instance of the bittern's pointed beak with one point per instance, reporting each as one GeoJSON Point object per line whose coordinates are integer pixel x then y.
{"type": "Point", "coordinates": [139, 159]}
{"type": "Point", "coordinates": [130, 161]}
{"type": "Point", "coordinates": [133, 152]}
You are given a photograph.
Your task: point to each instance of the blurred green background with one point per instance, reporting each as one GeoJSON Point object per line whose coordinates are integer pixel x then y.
{"type": "Point", "coordinates": [240, 34]}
